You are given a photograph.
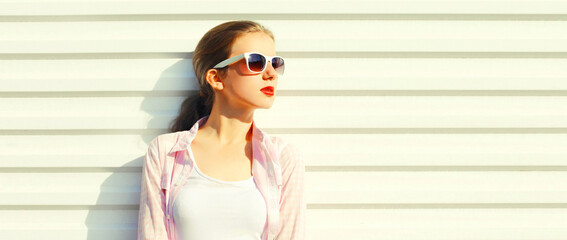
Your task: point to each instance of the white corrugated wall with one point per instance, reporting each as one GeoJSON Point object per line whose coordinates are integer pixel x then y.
{"type": "Point", "coordinates": [417, 119]}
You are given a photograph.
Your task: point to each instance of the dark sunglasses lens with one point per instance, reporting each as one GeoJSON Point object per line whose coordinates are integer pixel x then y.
{"type": "Point", "coordinates": [256, 62]}
{"type": "Point", "coordinates": [278, 64]}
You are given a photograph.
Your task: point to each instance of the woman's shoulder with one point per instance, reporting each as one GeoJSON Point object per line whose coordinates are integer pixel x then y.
{"type": "Point", "coordinates": [165, 137]}
{"type": "Point", "coordinates": [285, 148]}
{"type": "Point", "coordinates": [166, 141]}
{"type": "Point", "coordinates": [278, 142]}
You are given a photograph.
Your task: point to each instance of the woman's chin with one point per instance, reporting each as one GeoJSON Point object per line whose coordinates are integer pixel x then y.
{"type": "Point", "coordinates": [266, 105]}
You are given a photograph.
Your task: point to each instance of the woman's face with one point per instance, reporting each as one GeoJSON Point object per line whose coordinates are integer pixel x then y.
{"type": "Point", "coordinates": [241, 87]}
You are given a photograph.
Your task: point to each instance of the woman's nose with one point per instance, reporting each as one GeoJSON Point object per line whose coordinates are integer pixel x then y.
{"type": "Point", "coordinates": [270, 73]}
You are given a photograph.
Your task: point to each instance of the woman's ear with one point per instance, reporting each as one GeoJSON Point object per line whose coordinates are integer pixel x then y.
{"type": "Point", "coordinates": [214, 79]}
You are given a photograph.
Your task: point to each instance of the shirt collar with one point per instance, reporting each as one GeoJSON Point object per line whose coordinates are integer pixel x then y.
{"type": "Point", "coordinates": [186, 137]}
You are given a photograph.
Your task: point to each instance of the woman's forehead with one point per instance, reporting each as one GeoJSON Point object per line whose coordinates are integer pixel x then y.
{"type": "Point", "coordinates": [253, 42]}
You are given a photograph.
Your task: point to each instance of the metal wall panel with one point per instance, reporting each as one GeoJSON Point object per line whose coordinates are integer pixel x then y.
{"type": "Point", "coordinates": [417, 119]}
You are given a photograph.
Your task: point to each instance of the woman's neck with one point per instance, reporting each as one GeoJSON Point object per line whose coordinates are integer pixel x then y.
{"type": "Point", "coordinates": [227, 129]}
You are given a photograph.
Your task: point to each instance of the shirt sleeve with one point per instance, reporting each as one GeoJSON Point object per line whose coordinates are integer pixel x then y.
{"type": "Point", "coordinates": [151, 220]}
{"type": "Point", "coordinates": [292, 203]}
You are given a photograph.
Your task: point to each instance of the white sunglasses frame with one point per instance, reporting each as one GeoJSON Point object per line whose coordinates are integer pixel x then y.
{"type": "Point", "coordinates": [246, 56]}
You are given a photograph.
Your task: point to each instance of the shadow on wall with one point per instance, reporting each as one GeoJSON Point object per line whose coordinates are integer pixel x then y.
{"type": "Point", "coordinates": [115, 215]}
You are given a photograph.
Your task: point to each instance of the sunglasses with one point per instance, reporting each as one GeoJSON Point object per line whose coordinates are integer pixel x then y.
{"type": "Point", "coordinates": [256, 62]}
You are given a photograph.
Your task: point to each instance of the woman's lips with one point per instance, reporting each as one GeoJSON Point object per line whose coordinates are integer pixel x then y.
{"type": "Point", "coordinates": [268, 90]}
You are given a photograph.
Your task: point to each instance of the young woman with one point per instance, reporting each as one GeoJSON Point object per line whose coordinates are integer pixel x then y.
{"type": "Point", "coordinates": [217, 175]}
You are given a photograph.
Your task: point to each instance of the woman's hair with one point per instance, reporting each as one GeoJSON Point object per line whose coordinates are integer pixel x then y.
{"type": "Point", "coordinates": [213, 48]}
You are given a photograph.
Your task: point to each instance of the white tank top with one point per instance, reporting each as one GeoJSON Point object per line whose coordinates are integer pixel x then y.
{"type": "Point", "coordinates": [209, 208]}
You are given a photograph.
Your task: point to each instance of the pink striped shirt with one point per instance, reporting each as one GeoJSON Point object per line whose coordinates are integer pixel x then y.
{"type": "Point", "coordinates": [277, 169]}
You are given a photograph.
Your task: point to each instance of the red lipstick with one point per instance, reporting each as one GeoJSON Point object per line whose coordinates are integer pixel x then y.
{"type": "Point", "coordinates": [269, 90]}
